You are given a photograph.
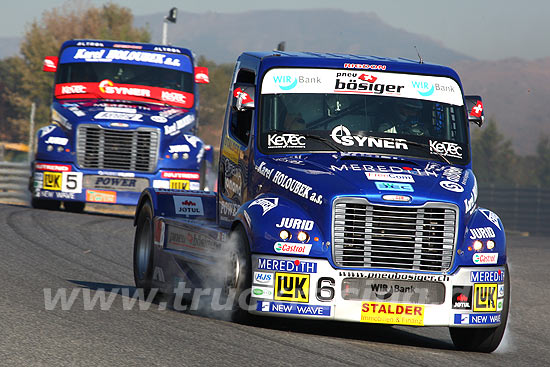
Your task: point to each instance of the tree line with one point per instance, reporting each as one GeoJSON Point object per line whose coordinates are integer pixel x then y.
{"type": "Point", "coordinates": [23, 82]}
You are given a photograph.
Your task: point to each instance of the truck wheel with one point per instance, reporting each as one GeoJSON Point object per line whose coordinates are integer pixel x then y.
{"type": "Point", "coordinates": [484, 340]}
{"type": "Point", "coordinates": [45, 204]}
{"type": "Point", "coordinates": [143, 249]}
{"type": "Point", "coordinates": [74, 206]}
{"type": "Point", "coordinates": [238, 275]}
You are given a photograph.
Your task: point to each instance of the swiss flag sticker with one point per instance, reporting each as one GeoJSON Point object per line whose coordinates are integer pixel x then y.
{"type": "Point", "coordinates": [245, 97]}
{"type": "Point", "coordinates": [477, 110]}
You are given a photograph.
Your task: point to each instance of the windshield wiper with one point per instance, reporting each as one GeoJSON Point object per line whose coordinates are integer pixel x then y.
{"type": "Point", "coordinates": [427, 147]}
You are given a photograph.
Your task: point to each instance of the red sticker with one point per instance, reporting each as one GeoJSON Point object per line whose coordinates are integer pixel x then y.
{"type": "Point", "coordinates": [368, 78]}
{"type": "Point", "coordinates": [245, 98]}
{"type": "Point", "coordinates": [477, 110]}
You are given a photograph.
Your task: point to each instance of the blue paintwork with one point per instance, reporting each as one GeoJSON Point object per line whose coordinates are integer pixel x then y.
{"type": "Point", "coordinates": [73, 112]}
{"type": "Point", "coordinates": [330, 175]}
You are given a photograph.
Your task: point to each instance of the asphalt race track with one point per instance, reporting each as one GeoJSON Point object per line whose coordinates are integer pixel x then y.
{"type": "Point", "coordinates": [42, 252]}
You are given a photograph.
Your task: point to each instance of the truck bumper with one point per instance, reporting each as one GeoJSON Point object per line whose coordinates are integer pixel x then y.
{"type": "Point", "coordinates": [67, 182]}
{"type": "Point", "coordinates": [313, 289]}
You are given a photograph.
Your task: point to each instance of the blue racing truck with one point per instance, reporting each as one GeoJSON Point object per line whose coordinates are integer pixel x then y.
{"type": "Point", "coordinates": [123, 118]}
{"type": "Point", "coordinates": [345, 192]}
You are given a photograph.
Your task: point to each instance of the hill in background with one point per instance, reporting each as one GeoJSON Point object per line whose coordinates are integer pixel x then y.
{"type": "Point", "coordinates": [515, 91]}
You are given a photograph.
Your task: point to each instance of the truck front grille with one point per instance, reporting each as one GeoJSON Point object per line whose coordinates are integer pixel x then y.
{"type": "Point", "coordinates": [396, 237]}
{"type": "Point", "coordinates": [127, 150]}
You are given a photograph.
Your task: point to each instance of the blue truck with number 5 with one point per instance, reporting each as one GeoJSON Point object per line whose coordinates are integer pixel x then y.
{"type": "Point", "coordinates": [123, 118]}
{"type": "Point", "coordinates": [345, 192]}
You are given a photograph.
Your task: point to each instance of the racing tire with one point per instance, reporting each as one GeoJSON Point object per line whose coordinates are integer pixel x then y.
{"type": "Point", "coordinates": [238, 277]}
{"type": "Point", "coordinates": [45, 204]}
{"type": "Point", "coordinates": [74, 206]}
{"type": "Point", "coordinates": [484, 340]}
{"type": "Point", "coordinates": [143, 250]}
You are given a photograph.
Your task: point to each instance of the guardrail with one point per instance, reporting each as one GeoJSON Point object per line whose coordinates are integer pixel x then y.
{"type": "Point", "coordinates": [520, 209]}
{"type": "Point", "coordinates": [14, 182]}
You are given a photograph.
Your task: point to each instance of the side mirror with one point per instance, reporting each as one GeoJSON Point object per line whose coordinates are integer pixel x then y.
{"type": "Point", "coordinates": [50, 64]}
{"type": "Point", "coordinates": [201, 75]}
{"type": "Point", "coordinates": [243, 97]}
{"type": "Point", "coordinates": [474, 106]}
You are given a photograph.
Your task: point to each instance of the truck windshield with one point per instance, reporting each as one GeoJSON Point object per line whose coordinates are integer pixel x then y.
{"type": "Point", "coordinates": [136, 75]}
{"type": "Point", "coordinates": [361, 115]}
{"type": "Point", "coordinates": [95, 72]}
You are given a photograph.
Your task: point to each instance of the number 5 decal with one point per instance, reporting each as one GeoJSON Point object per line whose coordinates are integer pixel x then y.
{"type": "Point", "coordinates": [72, 182]}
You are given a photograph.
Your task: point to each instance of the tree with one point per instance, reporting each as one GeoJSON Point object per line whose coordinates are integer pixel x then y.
{"type": "Point", "coordinates": [494, 159]}
{"type": "Point", "coordinates": [542, 167]}
{"type": "Point", "coordinates": [213, 99]}
{"type": "Point", "coordinates": [42, 38]}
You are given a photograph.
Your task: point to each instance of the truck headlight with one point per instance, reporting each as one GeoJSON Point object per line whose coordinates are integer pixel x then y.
{"type": "Point", "coordinates": [284, 235]}
{"type": "Point", "coordinates": [478, 245]}
{"type": "Point", "coordinates": [490, 244]}
{"type": "Point", "coordinates": [302, 236]}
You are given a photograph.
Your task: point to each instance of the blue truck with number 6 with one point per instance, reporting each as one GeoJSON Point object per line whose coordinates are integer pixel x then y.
{"type": "Point", "coordinates": [345, 192]}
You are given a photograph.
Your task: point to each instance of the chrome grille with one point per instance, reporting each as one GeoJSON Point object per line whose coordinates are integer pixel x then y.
{"type": "Point", "coordinates": [396, 237]}
{"type": "Point", "coordinates": [128, 150]}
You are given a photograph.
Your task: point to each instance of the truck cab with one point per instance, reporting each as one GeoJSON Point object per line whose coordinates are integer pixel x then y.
{"type": "Point", "coordinates": [123, 118]}
{"type": "Point", "coordinates": [345, 192]}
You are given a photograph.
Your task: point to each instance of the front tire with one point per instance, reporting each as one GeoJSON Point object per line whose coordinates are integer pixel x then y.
{"type": "Point", "coordinates": [74, 206]}
{"type": "Point", "coordinates": [238, 277]}
{"type": "Point", "coordinates": [143, 250]}
{"type": "Point", "coordinates": [484, 340]}
{"type": "Point", "coordinates": [45, 204]}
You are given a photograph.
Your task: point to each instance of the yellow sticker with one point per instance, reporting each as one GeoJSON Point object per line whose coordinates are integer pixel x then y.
{"type": "Point", "coordinates": [179, 184]}
{"type": "Point", "coordinates": [52, 181]}
{"type": "Point", "coordinates": [485, 297]}
{"type": "Point", "coordinates": [392, 313]}
{"type": "Point", "coordinates": [292, 287]}
{"type": "Point", "coordinates": [231, 149]}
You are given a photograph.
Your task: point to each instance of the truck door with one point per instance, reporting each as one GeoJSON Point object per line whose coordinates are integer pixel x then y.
{"type": "Point", "coordinates": [235, 153]}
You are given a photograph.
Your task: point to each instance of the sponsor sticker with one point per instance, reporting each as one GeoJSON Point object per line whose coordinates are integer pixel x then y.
{"type": "Point", "coordinates": [57, 140]}
{"type": "Point", "coordinates": [462, 297]}
{"type": "Point", "coordinates": [500, 304]}
{"type": "Point", "coordinates": [284, 141]}
{"type": "Point", "coordinates": [188, 205]}
{"type": "Point", "coordinates": [104, 115]}
{"type": "Point", "coordinates": [485, 297]}
{"type": "Point", "coordinates": [446, 149]}
{"type": "Point", "coordinates": [451, 186]}
{"type": "Point", "coordinates": [101, 196]}
{"type": "Point", "coordinates": [263, 278]}
{"type": "Point", "coordinates": [295, 223]}
{"type": "Point", "coordinates": [492, 276]}
{"type": "Point", "coordinates": [500, 292]}
{"type": "Point", "coordinates": [480, 319]}
{"type": "Point", "coordinates": [342, 135]}
{"type": "Point", "coordinates": [291, 287]}
{"type": "Point", "coordinates": [262, 292]}
{"type": "Point", "coordinates": [293, 308]}
{"type": "Point", "coordinates": [392, 186]}
{"type": "Point", "coordinates": [482, 233]}
{"type": "Point", "coordinates": [392, 313]}
{"type": "Point", "coordinates": [52, 181]}
{"type": "Point", "coordinates": [492, 217]}
{"type": "Point", "coordinates": [292, 266]}
{"type": "Point", "coordinates": [393, 177]}
{"type": "Point", "coordinates": [161, 184]}
{"type": "Point", "coordinates": [485, 258]}
{"type": "Point", "coordinates": [179, 184]}
{"type": "Point", "coordinates": [53, 167]}
{"type": "Point", "coordinates": [265, 203]}
{"type": "Point", "coordinates": [180, 175]}
{"type": "Point", "coordinates": [292, 248]}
